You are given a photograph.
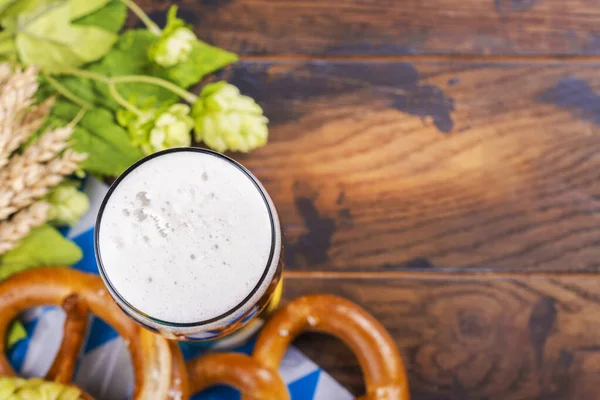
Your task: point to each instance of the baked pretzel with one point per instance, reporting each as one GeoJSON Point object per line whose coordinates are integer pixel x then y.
{"type": "Point", "coordinates": [385, 377]}
{"type": "Point", "coordinates": [160, 372]}
{"type": "Point", "coordinates": [256, 376]}
{"type": "Point", "coordinates": [240, 371]}
{"type": "Point", "coordinates": [158, 364]}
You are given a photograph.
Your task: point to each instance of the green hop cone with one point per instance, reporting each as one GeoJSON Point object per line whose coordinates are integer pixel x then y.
{"type": "Point", "coordinates": [158, 129]}
{"type": "Point", "coordinates": [36, 389]}
{"type": "Point", "coordinates": [175, 43]}
{"type": "Point", "coordinates": [228, 120]}
{"type": "Point", "coordinates": [67, 204]}
{"type": "Point", "coordinates": [138, 126]}
{"type": "Point", "coordinates": [172, 128]}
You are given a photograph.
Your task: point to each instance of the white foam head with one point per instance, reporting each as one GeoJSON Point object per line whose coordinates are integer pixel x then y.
{"type": "Point", "coordinates": [186, 236]}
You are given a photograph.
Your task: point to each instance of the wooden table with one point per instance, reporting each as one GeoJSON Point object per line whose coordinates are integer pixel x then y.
{"type": "Point", "coordinates": [437, 162]}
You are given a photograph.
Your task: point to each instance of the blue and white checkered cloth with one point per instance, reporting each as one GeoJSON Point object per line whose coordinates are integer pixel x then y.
{"type": "Point", "coordinates": [104, 366]}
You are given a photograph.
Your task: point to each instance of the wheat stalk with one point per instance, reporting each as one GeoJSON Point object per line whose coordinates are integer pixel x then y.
{"type": "Point", "coordinates": [17, 90]}
{"type": "Point", "coordinates": [12, 231]}
{"type": "Point", "coordinates": [27, 176]}
{"type": "Point", "coordinates": [49, 145]}
{"type": "Point", "coordinates": [29, 179]}
{"type": "Point", "coordinates": [30, 123]}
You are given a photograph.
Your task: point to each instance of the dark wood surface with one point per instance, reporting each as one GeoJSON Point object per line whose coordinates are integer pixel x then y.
{"type": "Point", "coordinates": [431, 165]}
{"type": "Point", "coordinates": [474, 337]}
{"type": "Point", "coordinates": [438, 163]}
{"type": "Point", "coordinates": [394, 27]}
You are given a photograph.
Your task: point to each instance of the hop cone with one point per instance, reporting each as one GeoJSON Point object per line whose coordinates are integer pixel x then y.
{"type": "Point", "coordinates": [26, 389]}
{"type": "Point", "coordinates": [175, 43]}
{"type": "Point", "coordinates": [158, 129]}
{"type": "Point", "coordinates": [67, 204]}
{"type": "Point", "coordinates": [227, 120]}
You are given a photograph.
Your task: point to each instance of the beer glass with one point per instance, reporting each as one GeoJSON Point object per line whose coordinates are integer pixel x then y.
{"type": "Point", "coordinates": [188, 243]}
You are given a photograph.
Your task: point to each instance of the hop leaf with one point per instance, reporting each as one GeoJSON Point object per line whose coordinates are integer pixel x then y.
{"type": "Point", "coordinates": [43, 32]}
{"type": "Point", "coordinates": [227, 120]}
{"type": "Point", "coordinates": [175, 43]}
{"type": "Point", "coordinates": [158, 129]}
{"type": "Point", "coordinates": [67, 204]}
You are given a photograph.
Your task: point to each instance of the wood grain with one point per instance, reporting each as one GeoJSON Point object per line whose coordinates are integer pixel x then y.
{"type": "Point", "coordinates": [474, 337]}
{"type": "Point", "coordinates": [389, 27]}
{"type": "Point", "coordinates": [431, 165]}
{"type": "Point", "coordinates": [484, 158]}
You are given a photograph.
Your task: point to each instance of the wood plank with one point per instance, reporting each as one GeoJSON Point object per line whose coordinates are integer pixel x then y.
{"type": "Point", "coordinates": [389, 27]}
{"type": "Point", "coordinates": [477, 337]}
{"type": "Point", "coordinates": [460, 165]}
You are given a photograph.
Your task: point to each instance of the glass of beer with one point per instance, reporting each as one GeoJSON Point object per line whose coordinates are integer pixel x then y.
{"type": "Point", "coordinates": [189, 245]}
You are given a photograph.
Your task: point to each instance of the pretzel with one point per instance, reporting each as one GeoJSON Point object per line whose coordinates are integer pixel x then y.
{"type": "Point", "coordinates": [158, 364]}
{"type": "Point", "coordinates": [240, 371]}
{"type": "Point", "coordinates": [160, 372]}
{"type": "Point", "coordinates": [385, 377]}
{"type": "Point", "coordinates": [256, 376]}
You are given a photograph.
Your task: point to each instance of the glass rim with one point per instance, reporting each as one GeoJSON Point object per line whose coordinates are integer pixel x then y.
{"type": "Point", "coordinates": [229, 312]}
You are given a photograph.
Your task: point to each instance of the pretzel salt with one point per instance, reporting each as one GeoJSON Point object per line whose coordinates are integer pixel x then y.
{"type": "Point", "coordinates": [385, 377]}
{"type": "Point", "coordinates": [157, 363]}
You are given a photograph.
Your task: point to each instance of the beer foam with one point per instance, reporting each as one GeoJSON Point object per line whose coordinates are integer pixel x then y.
{"type": "Point", "coordinates": [186, 237]}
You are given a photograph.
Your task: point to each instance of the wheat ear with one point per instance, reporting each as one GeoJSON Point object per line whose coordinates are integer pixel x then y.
{"type": "Point", "coordinates": [29, 179]}
{"type": "Point", "coordinates": [16, 97]}
{"type": "Point", "coordinates": [12, 231]}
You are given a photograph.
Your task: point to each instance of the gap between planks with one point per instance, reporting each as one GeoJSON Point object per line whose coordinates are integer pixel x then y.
{"type": "Point", "coordinates": [453, 274]}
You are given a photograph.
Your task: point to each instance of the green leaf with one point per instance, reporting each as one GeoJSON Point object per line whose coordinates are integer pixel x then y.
{"type": "Point", "coordinates": [16, 332]}
{"type": "Point", "coordinates": [4, 4]}
{"type": "Point", "coordinates": [129, 56]}
{"type": "Point", "coordinates": [107, 14]}
{"type": "Point", "coordinates": [46, 37]}
{"type": "Point", "coordinates": [111, 17]}
{"type": "Point", "coordinates": [81, 8]}
{"type": "Point", "coordinates": [50, 40]}
{"type": "Point", "coordinates": [54, 54]}
{"type": "Point", "coordinates": [82, 88]}
{"type": "Point", "coordinates": [44, 246]}
{"type": "Point", "coordinates": [204, 60]}
{"type": "Point", "coordinates": [132, 44]}
{"type": "Point", "coordinates": [8, 48]}
{"type": "Point", "coordinates": [25, 11]}
{"type": "Point", "coordinates": [106, 143]}
{"type": "Point", "coordinates": [20, 11]}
